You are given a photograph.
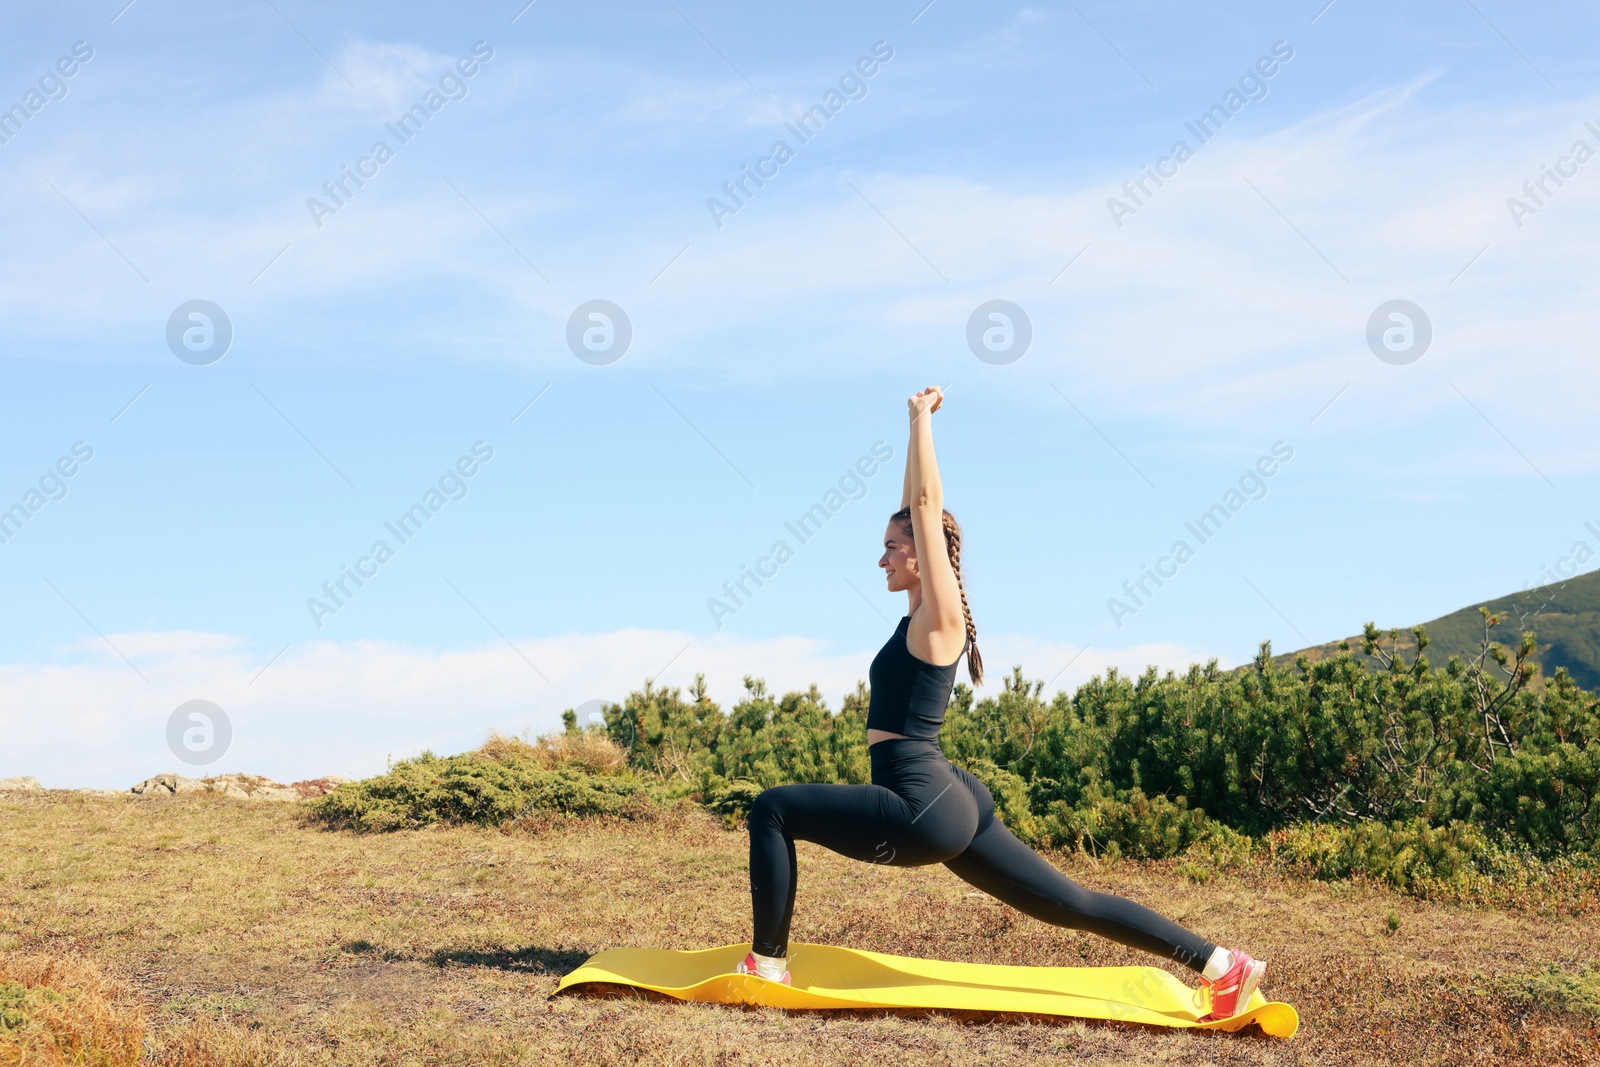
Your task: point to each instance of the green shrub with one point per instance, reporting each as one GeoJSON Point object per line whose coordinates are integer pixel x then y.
{"type": "Point", "coordinates": [1404, 855]}
{"type": "Point", "coordinates": [1574, 990]}
{"type": "Point", "coordinates": [1223, 846]}
{"type": "Point", "coordinates": [1549, 800]}
{"type": "Point", "coordinates": [504, 781]}
{"type": "Point", "coordinates": [18, 1002]}
{"type": "Point", "coordinates": [1125, 822]}
{"type": "Point", "coordinates": [1429, 779]}
{"type": "Point", "coordinates": [731, 800]}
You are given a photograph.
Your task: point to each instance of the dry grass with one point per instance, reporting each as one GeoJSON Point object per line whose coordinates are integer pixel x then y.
{"type": "Point", "coordinates": [55, 1012]}
{"type": "Point", "coordinates": [590, 751]}
{"type": "Point", "coordinates": [239, 934]}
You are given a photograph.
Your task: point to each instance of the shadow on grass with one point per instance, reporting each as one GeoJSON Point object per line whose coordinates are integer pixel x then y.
{"type": "Point", "coordinates": [963, 1017]}
{"type": "Point", "coordinates": [974, 1017]}
{"type": "Point", "coordinates": [532, 959]}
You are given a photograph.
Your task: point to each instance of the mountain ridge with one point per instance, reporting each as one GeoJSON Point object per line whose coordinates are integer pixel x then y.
{"type": "Point", "coordinates": [1565, 617]}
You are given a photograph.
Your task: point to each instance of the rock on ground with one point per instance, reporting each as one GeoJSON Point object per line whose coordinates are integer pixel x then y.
{"type": "Point", "coordinates": [237, 786]}
{"type": "Point", "coordinates": [25, 784]}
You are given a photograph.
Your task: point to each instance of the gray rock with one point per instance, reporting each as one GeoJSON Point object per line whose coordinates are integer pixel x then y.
{"type": "Point", "coordinates": [237, 786]}
{"type": "Point", "coordinates": [167, 785]}
{"type": "Point", "coordinates": [25, 784]}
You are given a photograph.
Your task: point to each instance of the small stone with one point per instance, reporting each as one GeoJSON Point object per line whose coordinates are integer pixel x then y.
{"type": "Point", "coordinates": [167, 785]}
{"type": "Point", "coordinates": [236, 786]}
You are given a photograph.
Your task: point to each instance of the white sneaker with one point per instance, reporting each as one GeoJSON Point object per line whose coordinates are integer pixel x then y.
{"type": "Point", "coordinates": [748, 965]}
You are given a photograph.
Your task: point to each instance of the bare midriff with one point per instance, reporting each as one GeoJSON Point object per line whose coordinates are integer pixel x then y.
{"type": "Point", "coordinates": [874, 736]}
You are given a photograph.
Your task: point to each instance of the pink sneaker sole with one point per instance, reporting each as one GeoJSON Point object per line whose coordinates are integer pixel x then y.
{"type": "Point", "coordinates": [1231, 993]}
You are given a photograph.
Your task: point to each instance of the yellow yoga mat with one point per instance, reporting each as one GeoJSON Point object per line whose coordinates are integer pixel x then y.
{"type": "Point", "coordinates": [826, 976]}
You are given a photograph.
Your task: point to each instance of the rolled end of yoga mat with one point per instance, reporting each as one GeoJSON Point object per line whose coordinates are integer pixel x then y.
{"type": "Point", "coordinates": [827, 976]}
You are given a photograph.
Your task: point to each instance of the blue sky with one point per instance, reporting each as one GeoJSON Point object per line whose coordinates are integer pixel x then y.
{"type": "Point", "coordinates": [773, 346]}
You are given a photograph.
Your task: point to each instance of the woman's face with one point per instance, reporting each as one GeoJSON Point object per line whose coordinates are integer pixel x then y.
{"type": "Point", "coordinates": [899, 559]}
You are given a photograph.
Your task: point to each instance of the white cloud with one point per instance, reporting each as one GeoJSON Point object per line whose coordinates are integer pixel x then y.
{"type": "Point", "coordinates": [1207, 308]}
{"type": "Point", "coordinates": [725, 103]}
{"type": "Point", "coordinates": [342, 708]}
{"type": "Point", "coordinates": [1064, 667]}
{"type": "Point", "coordinates": [388, 76]}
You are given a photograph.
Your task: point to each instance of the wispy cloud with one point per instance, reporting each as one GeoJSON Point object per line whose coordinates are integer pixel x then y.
{"type": "Point", "coordinates": [388, 75]}
{"type": "Point", "coordinates": [1205, 295]}
{"type": "Point", "coordinates": [343, 707]}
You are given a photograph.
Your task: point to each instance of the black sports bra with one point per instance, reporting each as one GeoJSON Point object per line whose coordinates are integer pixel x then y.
{"type": "Point", "coordinates": [908, 696]}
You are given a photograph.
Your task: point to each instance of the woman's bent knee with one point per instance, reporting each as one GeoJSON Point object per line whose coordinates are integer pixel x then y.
{"type": "Point", "coordinates": [767, 808]}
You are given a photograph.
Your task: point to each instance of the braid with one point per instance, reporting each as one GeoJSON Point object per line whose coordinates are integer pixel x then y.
{"type": "Point", "coordinates": [952, 540]}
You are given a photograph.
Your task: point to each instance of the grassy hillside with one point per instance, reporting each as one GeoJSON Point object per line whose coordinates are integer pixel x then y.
{"type": "Point", "coordinates": [208, 932]}
{"type": "Point", "coordinates": [1566, 616]}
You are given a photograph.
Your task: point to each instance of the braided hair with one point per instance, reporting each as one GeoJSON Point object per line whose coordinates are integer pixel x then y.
{"type": "Point", "coordinates": [952, 540]}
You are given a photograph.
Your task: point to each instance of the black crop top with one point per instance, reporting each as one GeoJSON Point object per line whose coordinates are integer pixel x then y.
{"type": "Point", "coordinates": [908, 696]}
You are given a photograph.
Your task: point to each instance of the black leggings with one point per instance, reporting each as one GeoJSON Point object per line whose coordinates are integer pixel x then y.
{"type": "Point", "coordinates": [921, 809]}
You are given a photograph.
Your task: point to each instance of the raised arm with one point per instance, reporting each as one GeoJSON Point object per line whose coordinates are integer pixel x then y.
{"type": "Point", "coordinates": [905, 489]}
{"type": "Point", "coordinates": [938, 626]}
{"type": "Point", "coordinates": [922, 487]}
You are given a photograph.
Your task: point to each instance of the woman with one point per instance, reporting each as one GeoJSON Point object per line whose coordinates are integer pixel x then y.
{"type": "Point", "coordinates": [921, 809]}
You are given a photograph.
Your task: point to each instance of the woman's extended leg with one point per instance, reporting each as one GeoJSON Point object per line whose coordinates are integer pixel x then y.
{"type": "Point", "coordinates": [1002, 866]}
